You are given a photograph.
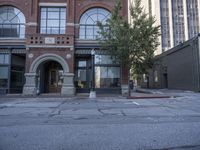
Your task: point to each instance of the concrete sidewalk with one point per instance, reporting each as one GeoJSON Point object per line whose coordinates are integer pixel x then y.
{"type": "Point", "coordinates": [139, 93]}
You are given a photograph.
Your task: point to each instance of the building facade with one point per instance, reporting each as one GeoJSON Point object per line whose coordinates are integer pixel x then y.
{"type": "Point", "coordinates": [45, 47]}
{"type": "Point", "coordinates": [177, 68]}
{"type": "Point", "coordinates": [179, 20]}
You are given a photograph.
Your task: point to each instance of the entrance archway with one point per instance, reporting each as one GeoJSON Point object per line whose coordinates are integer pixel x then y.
{"type": "Point", "coordinates": [50, 77]}
{"type": "Point", "coordinates": [35, 79]}
{"type": "Point", "coordinates": [48, 57]}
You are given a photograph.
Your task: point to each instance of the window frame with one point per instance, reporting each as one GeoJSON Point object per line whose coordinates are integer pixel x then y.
{"type": "Point", "coordinates": [19, 25]}
{"type": "Point", "coordinates": [84, 28]}
{"type": "Point", "coordinates": [59, 28]}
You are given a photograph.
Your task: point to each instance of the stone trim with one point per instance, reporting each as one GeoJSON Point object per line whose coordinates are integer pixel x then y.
{"type": "Point", "coordinates": [34, 24]}
{"type": "Point", "coordinates": [46, 57]}
{"type": "Point", "coordinates": [48, 46]}
{"type": "Point", "coordinates": [52, 4]}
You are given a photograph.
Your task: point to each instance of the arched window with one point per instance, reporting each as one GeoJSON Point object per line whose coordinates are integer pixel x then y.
{"type": "Point", "coordinates": [88, 22]}
{"type": "Point", "coordinates": [12, 22]}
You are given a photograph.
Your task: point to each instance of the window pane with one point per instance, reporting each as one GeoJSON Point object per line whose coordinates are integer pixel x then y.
{"type": "Point", "coordinates": [62, 30]}
{"type": "Point", "coordinates": [62, 23]}
{"type": "Point", "coordinates": [53, 23]}
{"type": "Point", "coordinates": [52, 9]}
{"type": "Point", "coordinates": [42, 30]}
{"type": "Point", "coordinates": [43, 9]}
{"type": "Point", "coordinates": [82, 64]}
{"type": "Point", "coordinates": [11, 19]}
{"type": "Point", "coordinates": [1, 59]}
{"type": "Point", "coordinates": [63, 15]}
{"type": "Point", "coordinates": [81, 79]}
{"type": "Point", "coordinates": [3, 72]}
{"type": "Point", "coordinates": [43, 15]}
{"type": "Point", "coordinates": [43, 23]}
{"type": "Point", "coordinates": [107, 77]}
{"type": "Point", "coordinates": [89, 19]}
{"type": "Point", "coordinates": [52, 30]}
{"type": "Point", "coordinates": [103, 59]}
{"type": "Point", "coordinates": [4, 59]}
{"type": "Point", "coordinates": [89, 32]}
{"type": "Point", "coordinates": [53, 15]}
{"type": "Point", "coordinates": [22, 31]}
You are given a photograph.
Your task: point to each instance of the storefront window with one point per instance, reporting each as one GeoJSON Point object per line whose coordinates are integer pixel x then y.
{"type": "Point", "coordinates": [107, 77]}
{"type": "Point", "coordinates": [103, 59]}
{"type": "Point", "coordinates": [4, 59]}
{"type": "Point", "coordinates": [3, 77]}
{"type": "Point", "coordinates": [17, 76]}
{"type": "Point", "coordinates": [81, 78]}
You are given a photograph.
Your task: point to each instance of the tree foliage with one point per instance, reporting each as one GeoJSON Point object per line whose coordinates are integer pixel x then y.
{"type": "Point", "coordinates": [132, 44]}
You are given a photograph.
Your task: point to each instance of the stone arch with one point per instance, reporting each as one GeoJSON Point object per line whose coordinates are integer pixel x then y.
{"type": "Point", "coordinates": [22, 6]}
{"type": "Point", "coordinates": [48, 57]}
{"type": "Point", "coordinates": [31, 88]}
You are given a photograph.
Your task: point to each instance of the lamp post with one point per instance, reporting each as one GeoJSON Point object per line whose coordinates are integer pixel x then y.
{"type": "Point", "coordinates": [92, 90]}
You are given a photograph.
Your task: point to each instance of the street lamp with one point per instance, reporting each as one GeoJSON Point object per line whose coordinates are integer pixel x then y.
{"type": "Point", "coordinates": [92, 90]}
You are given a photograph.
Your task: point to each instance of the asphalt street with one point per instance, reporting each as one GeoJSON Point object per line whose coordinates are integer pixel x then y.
{"type": "Point", "coordinates": [105, 123]}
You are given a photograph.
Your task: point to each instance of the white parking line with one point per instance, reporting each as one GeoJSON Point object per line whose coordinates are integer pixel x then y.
{"type": "Point", "coordinates": [136, 103]}
{"type": "Point", "coordinates": [132, 103]}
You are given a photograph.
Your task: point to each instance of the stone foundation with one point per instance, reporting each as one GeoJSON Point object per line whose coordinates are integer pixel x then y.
{"type": "Point", "coordinates": [30, 85]}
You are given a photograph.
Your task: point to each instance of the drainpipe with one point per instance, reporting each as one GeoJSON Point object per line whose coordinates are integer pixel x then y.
{"type": "Point", "coordinates": [198, 66]}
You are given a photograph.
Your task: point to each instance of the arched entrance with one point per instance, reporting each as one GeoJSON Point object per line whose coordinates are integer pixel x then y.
{"type": "Point", "coordinates": [49, 73]}
{"type": "Point", "coordinates": [50, 77]}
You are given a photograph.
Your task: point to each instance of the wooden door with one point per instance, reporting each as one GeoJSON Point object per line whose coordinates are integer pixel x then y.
{"type": "Point", "coordinates": [55, 81]}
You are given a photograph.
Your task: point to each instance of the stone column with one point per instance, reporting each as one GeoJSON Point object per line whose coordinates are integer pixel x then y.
{"type": "Point", "coordinates": [30, 85]}
{"type": "Point", "coordinates": [68, 88]}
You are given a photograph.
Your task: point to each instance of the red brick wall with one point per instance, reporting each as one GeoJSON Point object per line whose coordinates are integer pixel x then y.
{"type": "Point", "coordinates": [75, 8]}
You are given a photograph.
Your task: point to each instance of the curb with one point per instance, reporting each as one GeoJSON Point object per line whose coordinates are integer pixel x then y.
{"type": "Point", "coordinates": [149, 97]}
{"type": "Point", "coordinates": [143, 91]}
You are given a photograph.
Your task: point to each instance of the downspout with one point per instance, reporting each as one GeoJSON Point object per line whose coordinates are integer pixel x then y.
{"type": "Point", "coordinates": [198, 65]}
{"type": "Point", "coordinates": [195, 44]}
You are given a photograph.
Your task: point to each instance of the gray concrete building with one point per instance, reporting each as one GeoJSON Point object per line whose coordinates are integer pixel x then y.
{"type": "Point", "coordinates": [177, 68]}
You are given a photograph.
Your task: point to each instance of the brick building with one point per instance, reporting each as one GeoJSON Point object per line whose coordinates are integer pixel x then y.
{"type": "Point", "coordinates": [45, 47]}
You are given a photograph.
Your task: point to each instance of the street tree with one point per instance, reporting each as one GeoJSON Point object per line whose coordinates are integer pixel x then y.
{"type": "Point", "coordinates": [130, 43]}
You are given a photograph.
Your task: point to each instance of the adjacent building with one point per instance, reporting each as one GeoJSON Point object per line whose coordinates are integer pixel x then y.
{"type": "Point", "coordinates": [45, 47]}
{"type": "Point", "coordinates": [177, 68]}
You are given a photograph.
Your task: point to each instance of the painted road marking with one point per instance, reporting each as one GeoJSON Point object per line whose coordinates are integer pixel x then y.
{"type": "Point", "coordinates": [133, 103]}
{"type": "Point", "coordinates": [136, 103]}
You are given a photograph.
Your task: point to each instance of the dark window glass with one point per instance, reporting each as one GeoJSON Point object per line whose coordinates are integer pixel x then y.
{"type": "Point", "coordinates": [3, 77]}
